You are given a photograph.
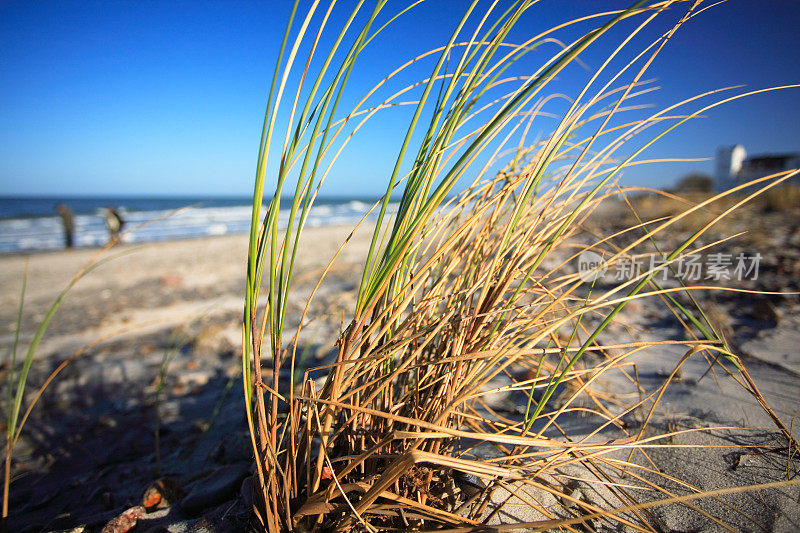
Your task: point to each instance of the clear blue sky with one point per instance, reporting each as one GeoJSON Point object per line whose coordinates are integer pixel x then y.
{"type": "Point", "coordinates": [167, 98]}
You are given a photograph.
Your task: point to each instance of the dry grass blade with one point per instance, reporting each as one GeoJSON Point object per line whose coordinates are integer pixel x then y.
{"type": "Point", "coordinates": [472, 296]}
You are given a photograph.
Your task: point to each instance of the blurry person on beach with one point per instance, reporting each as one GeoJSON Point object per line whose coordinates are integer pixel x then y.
{"type": "Point", "coordinates": [114, 223]}
{"type": "Point", "coordinates": [68, 222]}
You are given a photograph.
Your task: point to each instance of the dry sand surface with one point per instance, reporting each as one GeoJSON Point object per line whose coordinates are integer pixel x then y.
{"type": "Point", "coordinates": [89, 448]}
{"type": "Point", "coordinates": [155, 286]}
{"type": "Point", "coordinates": [88, 451]}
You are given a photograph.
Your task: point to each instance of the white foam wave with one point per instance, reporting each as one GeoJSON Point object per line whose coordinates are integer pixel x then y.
{"type": "Point", "coordinates": [46, 233]}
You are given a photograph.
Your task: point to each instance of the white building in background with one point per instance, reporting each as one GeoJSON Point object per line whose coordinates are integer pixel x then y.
{"type": "Point", "coordinates": [733, 167]}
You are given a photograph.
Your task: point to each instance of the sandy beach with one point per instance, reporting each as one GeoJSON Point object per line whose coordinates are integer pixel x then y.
{"type": "Point", "coordinates": [173, 309]}
{"type": "Point", "coordinates": [176, 304]}
{"type": "Point", "coordinates": [155, 286]}
{"type": "Point", "coordinates": [574, 303]}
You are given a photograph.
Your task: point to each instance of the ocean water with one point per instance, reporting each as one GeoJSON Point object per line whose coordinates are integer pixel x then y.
{"type": "Point", "coordinates": [30, 224]}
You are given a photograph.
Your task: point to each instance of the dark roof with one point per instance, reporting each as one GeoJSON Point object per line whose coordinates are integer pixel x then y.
{"type": "Point", "coordinates": [769, 160]}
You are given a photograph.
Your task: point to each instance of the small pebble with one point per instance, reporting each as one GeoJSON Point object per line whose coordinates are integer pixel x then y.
{"type": "Point", "coordinates": [124, 522]}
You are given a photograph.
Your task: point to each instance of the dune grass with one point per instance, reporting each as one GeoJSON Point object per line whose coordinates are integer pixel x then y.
{"type": "Point", "coordinates": [468, 289]}
{"type": "Point", "coordinates": [18, 377]}
{"type": "Point", "coordinates": [18, 371]}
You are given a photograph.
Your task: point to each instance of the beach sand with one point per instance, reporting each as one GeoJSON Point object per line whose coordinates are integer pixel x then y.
{"type": "Point", "coordinates": [89, 447]}
{"type": "Point", "coordinates": [89, 451]}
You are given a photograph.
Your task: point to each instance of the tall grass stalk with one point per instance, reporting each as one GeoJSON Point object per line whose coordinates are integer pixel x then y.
{"type": "Point", "coordinates": [18, 377]}
{"type": "Point", "coordinates": [461, 291]}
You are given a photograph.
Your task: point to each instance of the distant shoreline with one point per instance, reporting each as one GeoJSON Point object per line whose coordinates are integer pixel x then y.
{"type": "Point", "coordinates": [155, 220]}
{"type": "Point", "coordinates": [117, 247]}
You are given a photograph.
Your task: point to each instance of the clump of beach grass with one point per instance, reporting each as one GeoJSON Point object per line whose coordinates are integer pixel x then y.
{"type": "Point", "coordinates": [468, 288]}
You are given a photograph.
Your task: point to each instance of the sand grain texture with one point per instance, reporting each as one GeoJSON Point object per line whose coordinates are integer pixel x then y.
{"type": "Point", "coordinates": [89, 449]}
